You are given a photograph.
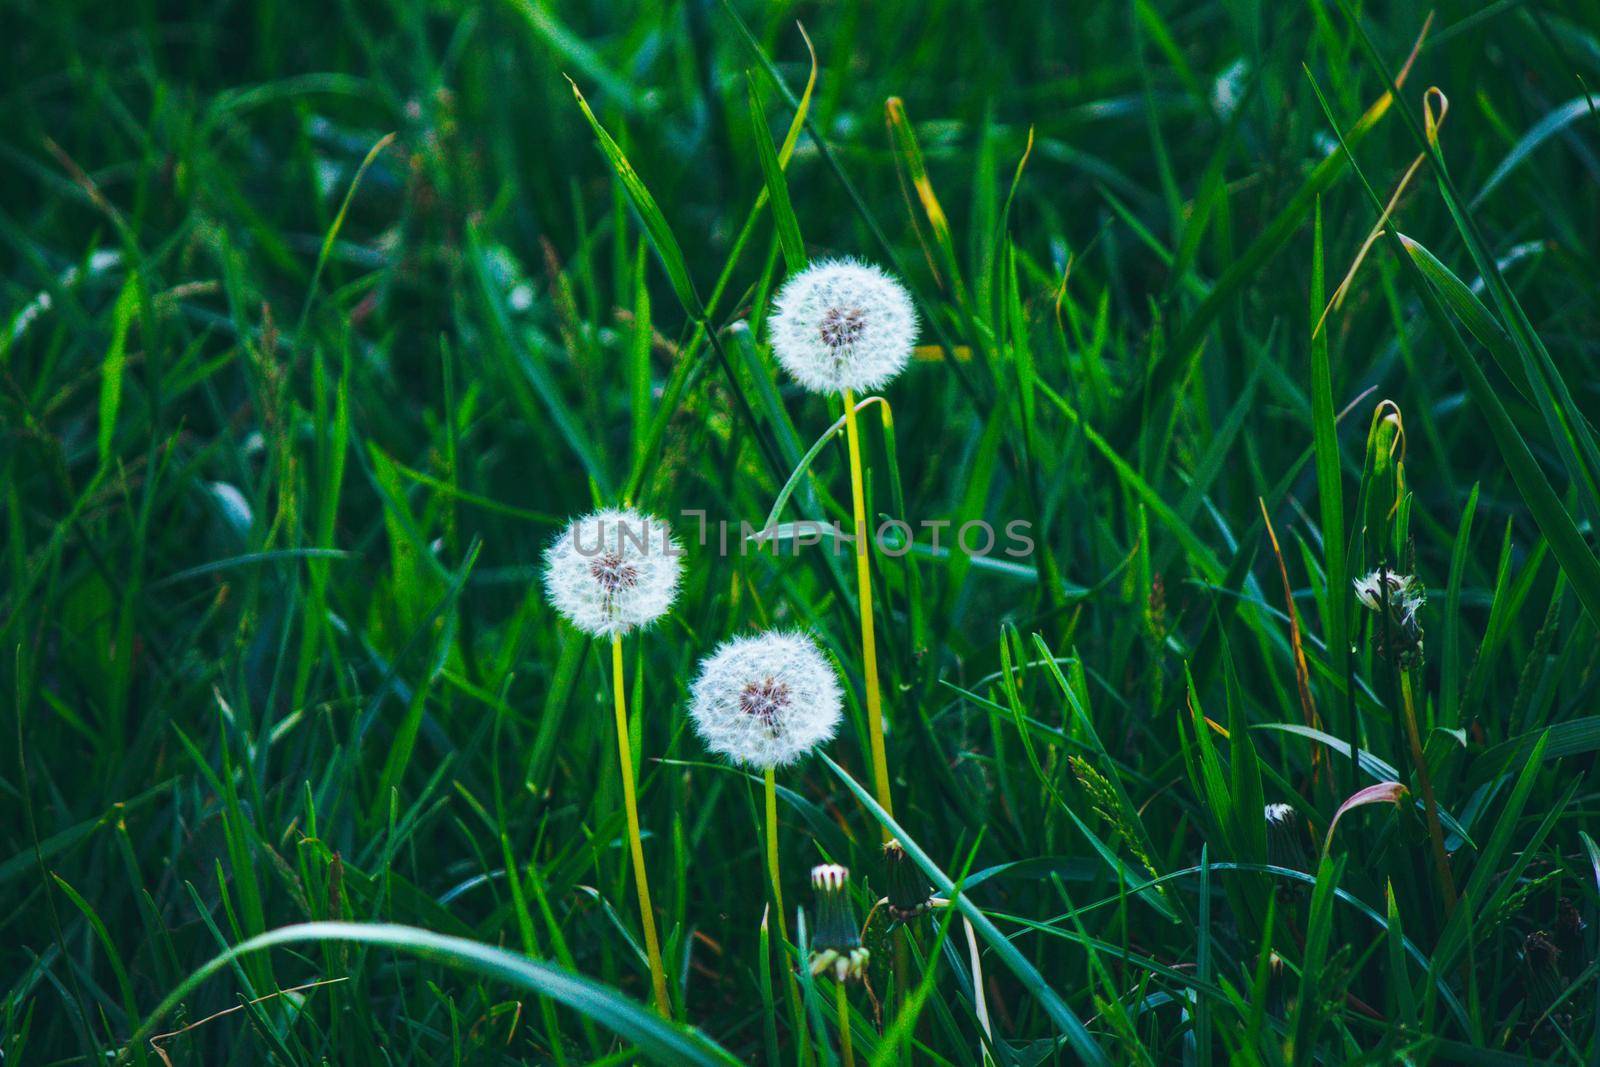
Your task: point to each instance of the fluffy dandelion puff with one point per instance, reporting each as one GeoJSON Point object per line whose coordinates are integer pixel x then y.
{"type": "Point", "coordinates": [841, 324]}
{"type": "Point", "coordinates": [766, 700]}
{"type": "Point", "coordinates": [613, 571]}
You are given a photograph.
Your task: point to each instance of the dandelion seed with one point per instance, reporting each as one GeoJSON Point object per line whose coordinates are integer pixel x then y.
{"type": "Point", "coordinates": [613, 571]}
{"type": "Point", "coordinates": [767, 700]}
{"type": "Point", "coordinates": [843, 325]}
{"type": "Point", "coordinates": [836, 944]}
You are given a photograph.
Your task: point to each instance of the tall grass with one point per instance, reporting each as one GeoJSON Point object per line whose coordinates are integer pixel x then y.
{"type": "Point", "coordinates": [317, 322]}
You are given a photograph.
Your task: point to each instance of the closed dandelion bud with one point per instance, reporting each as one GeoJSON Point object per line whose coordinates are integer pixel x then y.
{"type": "Point", "coordinates": [1400, 633]}
{"type": "Point", "coordinates": [908, 893]}
{"type": "Point", "coordinates": [841, 324]}
{"type": "Point", "coordinates": [1568, 935]}
{"type": "Point", "coordinates": [766, 700]}
{"type": "Point", "coordinates": [1279, 985]}
{"type": "Point", "coordinates": [613, 571]}
{"type": "Point", "coordinates": [1286, 838]}
{"type": "Point", "coordinates": [1546, 1011]}
{"type": "Point", "coordinates": [836, 944]}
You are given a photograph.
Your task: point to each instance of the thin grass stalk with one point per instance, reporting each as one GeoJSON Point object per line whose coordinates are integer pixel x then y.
{"type": "Point", "coordinates": [647, 915]}
{"type": "Point", "coordinates": [1441, 861]}
{"type": "Point", "coordinates": [771, 789]}
{"type": "Point", "coordinates": [869, 644]}
{"type": "Point", "coordinates": [980, 1002]}
{"type": "Point", "coordinates": [841, 1008]}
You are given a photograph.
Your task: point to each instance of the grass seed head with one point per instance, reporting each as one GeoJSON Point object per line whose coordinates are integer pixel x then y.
{"type": "Point", "coordinates": [613, 571]}
{"type": "Point", "coordinates": [765, 700]}
{"type": "Point", "coordinates": [841, 324]}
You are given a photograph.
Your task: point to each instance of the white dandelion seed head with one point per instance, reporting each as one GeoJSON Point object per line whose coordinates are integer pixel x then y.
{"type": "Point", "coordinates": [765, 700]}
{"type": "Point", "coordinates": [1279, 813]}
{"type": "Point", "coordinates": [613, 571]}
{"type": "Point", "coordinates": [843, 324]}
{"type": "Point", "coordinates": [1406, 594]}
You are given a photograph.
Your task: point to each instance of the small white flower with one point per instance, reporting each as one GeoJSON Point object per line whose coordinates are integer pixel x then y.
{"type": "Point", "coordinates": [766, 700]}
{"type": "Point", "coordinates": [842, 324]}
{"type": "Point", "coordinates": [612, 571]}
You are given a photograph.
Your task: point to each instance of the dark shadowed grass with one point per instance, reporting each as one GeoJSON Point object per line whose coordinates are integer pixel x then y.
{"type": "Point", "coordinates": [317, 322]}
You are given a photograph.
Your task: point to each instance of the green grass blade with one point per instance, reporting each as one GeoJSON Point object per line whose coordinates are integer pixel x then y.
{"type": "Point", "coordinates": [662, 1041]}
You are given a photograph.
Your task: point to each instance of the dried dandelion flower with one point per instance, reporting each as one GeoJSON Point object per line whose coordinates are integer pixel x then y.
{"type": "Point", "coordinates": [843, 325]}
{"type": "Point", "coordinates": [836, 945]}
{"type": "Point", "coordinates": [765, 700]}
{"type": "Point", "coordinates": [613, 571]}
{"type": "Point", "coordinates": [1405, 595]}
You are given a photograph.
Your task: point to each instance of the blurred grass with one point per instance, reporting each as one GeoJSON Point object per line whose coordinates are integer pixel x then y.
{"type": "Point", "coordinates": [315, 322]}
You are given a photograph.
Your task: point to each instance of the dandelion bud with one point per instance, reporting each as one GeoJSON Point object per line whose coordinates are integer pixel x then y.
{"type": "Point", "coordinates": [1569, 928]}
{"type": "Point", "coordinates": [1405, 595]}
{"type": "Point", "coordinates": [612, 571]}
{"type": "Point", "coordinates": [841, 324]}
{"type": "Point", "coordinates": [1279, 984]}
{"type": "Point", "coordinates": [1546, 992]}
{"type": "Point", "coordinates": [1286, 838]}
{"type": "Point", "coordinates": [836, 945]}
{"type": "Point", "coordinates": [908, 892]}
{"type": "Point", "coordinates": [766, 700]}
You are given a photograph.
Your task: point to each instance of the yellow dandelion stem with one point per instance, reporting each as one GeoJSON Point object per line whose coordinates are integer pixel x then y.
{"type": "Point", "coordinates": [869, 644]}
{"type": "Point", "coordinates": [772, 851]}
{"type": "Point", "coordinates": [647, 915]}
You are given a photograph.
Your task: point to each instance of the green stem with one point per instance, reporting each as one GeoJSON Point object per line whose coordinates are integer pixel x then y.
{"type": "Point", "coordinates": [773, 879]}
{"type": "Point", "coordinates": [647, 915]}
{"type": "Point", "coordinates": [841, 1008]}
{"type": "Point", "coordinates": [1441, 862]}
{"type": "Point", "coordinates": [869, 644]}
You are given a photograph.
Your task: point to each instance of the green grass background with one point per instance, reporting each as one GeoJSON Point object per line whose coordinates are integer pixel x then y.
{"type": "Point", "coordinates": [288, 412]}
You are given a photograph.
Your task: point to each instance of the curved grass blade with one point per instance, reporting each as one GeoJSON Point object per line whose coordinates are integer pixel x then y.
{"type": "Point", "coordinates": [1574, 554]}
{"type": "Point", "coordinates": [656, 1038]}
{"type": "Point", "coordinates": [338, 223]}
{"type": "Point", "coordinates": [783, 217]}
{"type": "Point", "coordinates": [655, 224]}
{"type": "Point", "coordinates": [1537, 134]}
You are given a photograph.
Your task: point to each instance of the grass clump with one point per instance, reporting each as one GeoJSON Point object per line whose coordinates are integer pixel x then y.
{"type": "Point", "coordinates": [1217, 675]}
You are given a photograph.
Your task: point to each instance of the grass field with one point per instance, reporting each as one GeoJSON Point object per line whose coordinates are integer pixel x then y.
{"type": "Point", "coordinates": [318, 323]}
